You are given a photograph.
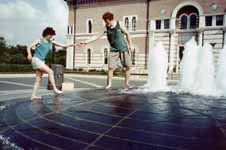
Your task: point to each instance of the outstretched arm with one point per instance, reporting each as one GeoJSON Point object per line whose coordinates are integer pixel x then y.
{"type": "Point", "coordinates": [34, 44]}
{"type": "Point", "coordinates": [93, 39]}
{"type": "Point", "coordinates": [63, 45]}
{"type": "Point", "coordinates": [128, 37]}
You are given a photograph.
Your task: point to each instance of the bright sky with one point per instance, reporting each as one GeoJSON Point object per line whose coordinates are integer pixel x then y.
{"type": "Point", "coordinates": [22, 21]}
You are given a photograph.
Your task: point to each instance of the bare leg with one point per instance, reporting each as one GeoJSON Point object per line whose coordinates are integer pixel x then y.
{"type": "Point", "coordinates": [109, 79]}
{"type": "Point", "coordinates": [127, 78]}
{"type": "Point", "coordinates": [36, 84]}
{"type": "Point", "coordinates": [51, 78]}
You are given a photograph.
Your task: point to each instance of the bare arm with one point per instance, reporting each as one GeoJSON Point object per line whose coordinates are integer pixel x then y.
{"type": "Point", "coordinates": [126, 32]}
{"type": "Point", "coordinates": [93, 39]}
{"type": "Point", "coordinates": [33, 45]}
{"type": "Point", "coordinates": [62, 45]}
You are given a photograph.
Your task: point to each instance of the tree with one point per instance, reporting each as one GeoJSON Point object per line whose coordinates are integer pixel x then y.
{"type": "Point", "coordinates": [12, 54]}
{"type": "Point", "coordinates": [3, 50]}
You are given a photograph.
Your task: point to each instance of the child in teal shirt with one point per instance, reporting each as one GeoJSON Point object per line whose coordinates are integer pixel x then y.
{"type": "Point", "coordinates": [42, 47]}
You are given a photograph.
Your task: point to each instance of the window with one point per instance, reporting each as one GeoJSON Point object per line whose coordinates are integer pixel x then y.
{"type": "Point", "coordinates": [134, 22]}
{"type": "Point", "coordinates": [219, 20]}
{"type": "Point", "coordinates": [184, 22]}
{"type": "Point", "coordinates": [68, 29]}
{"type": "Point", "coordinates": [127, 23]}
{"type": "Point", "coordinates": [181, 52]}
{"type": "Point", "coordinates": [133, 57]}
{"type": "Point", "coordinates": [90, 30]}
{"type": "Point", "coordinates": [193, 21]}
{"type": "Point", "coordinates": [158, 24]}
{"type": "Point", "coordinates": [105, 56]}
{"type": "Point", "coordinates": [130, 22]}
{"type": "Point", "coordinates": [71, 29]}
{"type": "Point", "coordinates": [166, 24]}
{"type": "Point", "coordinates": [89, 56]}
{"type": "Point", "coordinates": [209, 21]}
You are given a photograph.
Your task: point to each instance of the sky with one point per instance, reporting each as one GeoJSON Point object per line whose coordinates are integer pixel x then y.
{"type": "Point", "coordinates": [22, 21]}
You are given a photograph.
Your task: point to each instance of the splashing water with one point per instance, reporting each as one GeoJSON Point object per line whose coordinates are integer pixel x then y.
{"type": "Point", "coordinates": [221, 72]}
{"type": "Point", "coordinates": [197, 71]}
{"type": "Point", "coordinates": [188, 66]}
{"type": "Point", "coordinates": [6, 142]}
{"type": "Point", "coordinates": [205, 74]}
{"type": "Point", "coordinates": [2, 107]}
{"type": "Point", "coordinates": [157, 69]}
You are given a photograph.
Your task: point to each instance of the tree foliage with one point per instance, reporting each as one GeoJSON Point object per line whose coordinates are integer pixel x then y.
{"type": "Point", "coordinates": [10, 54]}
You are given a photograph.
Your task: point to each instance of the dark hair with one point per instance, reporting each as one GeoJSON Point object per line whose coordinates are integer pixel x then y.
{"type": "Point", "coordinates": [48, 31]}
{"type": "Point", "coordinates": [108, 16]}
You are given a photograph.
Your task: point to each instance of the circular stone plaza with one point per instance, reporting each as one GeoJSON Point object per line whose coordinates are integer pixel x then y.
{"type": "Point", "coordinates": [98, 119]}
{"type": "Point", "coordinates": [93, 118]}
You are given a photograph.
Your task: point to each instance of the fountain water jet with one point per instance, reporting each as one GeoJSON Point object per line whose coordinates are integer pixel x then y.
{"type": "Point", "coordinates": [221, 72]}
{"type": "Point", "coordinates": [157, 69]}
{"type": "Point", "coordinates": [197, 70]}
{"type": "Point", "coordinates": [188, 66]}
{"type": "Point", "coordinates": [205, 74]}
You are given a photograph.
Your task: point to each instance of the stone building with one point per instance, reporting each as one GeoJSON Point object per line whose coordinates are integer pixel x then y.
{"type": "Point", "coordinates": [172, 22]}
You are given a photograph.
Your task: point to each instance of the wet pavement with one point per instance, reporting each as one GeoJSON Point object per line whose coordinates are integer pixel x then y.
{"type": "Point", "coordinates": [111, 120]}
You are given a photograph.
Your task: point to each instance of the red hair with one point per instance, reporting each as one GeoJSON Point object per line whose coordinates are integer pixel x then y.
{"type": "Point", "coordinates": [108, 16]}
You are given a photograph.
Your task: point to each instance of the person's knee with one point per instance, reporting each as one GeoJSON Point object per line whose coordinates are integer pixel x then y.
{"type": "Point", "coordinates": [50, 72]}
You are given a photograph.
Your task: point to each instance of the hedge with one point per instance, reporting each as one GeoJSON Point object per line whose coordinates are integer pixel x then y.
{"type": "Point", "coordinates": [28, 68]}
{"type": "Point", "coordinates": [15, 68]}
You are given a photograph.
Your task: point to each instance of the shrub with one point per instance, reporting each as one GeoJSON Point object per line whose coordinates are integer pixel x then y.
{"type": "Point", "coordinates": [15, 68]}
{"type": "Point", "coordinates": [93, 70]}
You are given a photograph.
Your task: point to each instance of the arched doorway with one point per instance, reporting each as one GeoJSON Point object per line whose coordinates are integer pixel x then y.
{"type": "Point", "coordinates": [186, 18]}
{"type": "Point", "coordinates": [187, 21]}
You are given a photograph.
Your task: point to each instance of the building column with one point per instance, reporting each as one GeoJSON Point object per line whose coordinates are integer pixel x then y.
{"type": "Point", "coordinates": [171, 53]}
{"type": "Point", "coordinates": [69, 56]}
{"type": "Point", "coordinates": [151, 38]}
{"type": "Point", "coordinates": [202, 21]}
{"type": "Point", "coordinates": [200, 42]}
{"type": "Point", "coordinates": [201, 26]}
{"type": "Point", "coordinates": [224, 28]}
{"type": "Point", "coordinates": [173, 23]}
{"type": "Point", "coordinates": [172, 44]}
{"type": "Point", "coordinates": [152, 34]}
{"type": "Point", "coordinates": [224, 36]}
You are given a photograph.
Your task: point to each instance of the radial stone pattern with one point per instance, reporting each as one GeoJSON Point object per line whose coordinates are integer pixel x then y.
{"type": "Point", "coordinates": [112, 120]}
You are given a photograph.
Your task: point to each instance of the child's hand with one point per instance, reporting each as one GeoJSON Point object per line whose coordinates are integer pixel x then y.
{"type": "Point", "coordinates": [29, 57]}
{"type": "Point", "coordinates": [131, 47]}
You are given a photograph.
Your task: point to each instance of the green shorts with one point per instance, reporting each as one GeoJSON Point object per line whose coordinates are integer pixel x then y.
{"type": "Point", "coordinates": [119, 57]}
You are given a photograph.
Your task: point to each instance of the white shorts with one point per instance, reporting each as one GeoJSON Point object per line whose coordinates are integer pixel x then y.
{"type": "Point", "coordinates": [37, 63]}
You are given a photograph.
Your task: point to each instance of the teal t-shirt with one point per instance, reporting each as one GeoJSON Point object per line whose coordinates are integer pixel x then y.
{"type": "Point", "coordinates": [42, 49]}
{"type": "Point", "coordinates": [116, 38]}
